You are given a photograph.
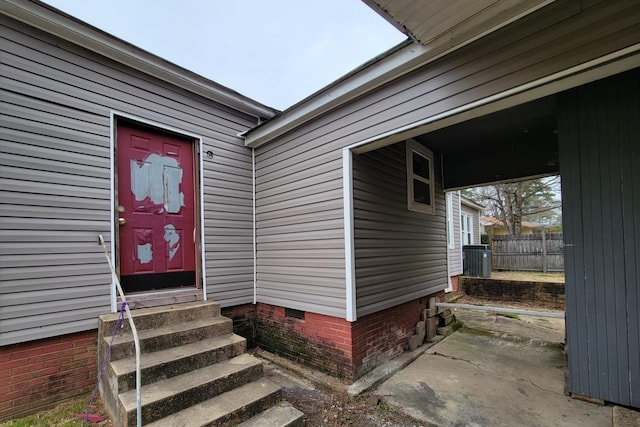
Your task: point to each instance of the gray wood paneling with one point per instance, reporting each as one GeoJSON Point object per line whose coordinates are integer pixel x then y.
{"type": "Point", "coordinates": [55, 181]}
{"type": "Point", "coordinates": [599, 130]}
{"type": "Point", "coordinates": [400, 254]}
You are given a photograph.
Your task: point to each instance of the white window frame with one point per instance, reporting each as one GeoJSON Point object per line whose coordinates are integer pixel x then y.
{"type": "Point", "coordinates": [466, 219]}
{"type": "Point", "coordinates": [450, 224]}
{"type": "Point", "coordinates": [413, 146]}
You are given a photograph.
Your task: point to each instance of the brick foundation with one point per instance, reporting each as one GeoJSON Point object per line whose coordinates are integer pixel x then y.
{"type": "Point", "coordinates": [381, 336]}
{"type": "Point", "coordinates": [39, 374]}
{"type": "Point", "coordinates": [244, 321]}
{"type": "Point", "coordinates": [454, 283]}
{"type": "Point", "coordinates": [334, 345]}
{"type": "Point", "coordinates": [322, 342]}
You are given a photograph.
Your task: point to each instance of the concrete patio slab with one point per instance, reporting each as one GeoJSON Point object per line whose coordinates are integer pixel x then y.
{"type": "Point", "coordinates": [495, 372]}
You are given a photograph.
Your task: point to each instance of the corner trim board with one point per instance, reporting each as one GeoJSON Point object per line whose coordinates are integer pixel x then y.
{"type": "Point", "coordinates": [349, 242]}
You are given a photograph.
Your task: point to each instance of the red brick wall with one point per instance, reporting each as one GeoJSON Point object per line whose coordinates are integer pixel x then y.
{"type": "Point", "coordinates": [334, 345]}
{"type": "Point", "coordinates": [454, 283]}
{"type": "Point", "coordinates": [244, 321]}
{"type": "Point", "coordinates": [41, 373]}
{"type": "Point", "coordinates": [319, 341]}
{"type": "Point", "coordinates": [381, 336]}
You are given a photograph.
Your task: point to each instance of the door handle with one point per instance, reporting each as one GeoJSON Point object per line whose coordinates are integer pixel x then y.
{"type": "Point", "coordinates": [122, 221]}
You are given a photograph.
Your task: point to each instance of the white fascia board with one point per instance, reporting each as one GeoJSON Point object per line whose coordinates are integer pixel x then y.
{"type": "Point", "coordinates": [470, 203]}
{"type": "Point", "coordinates": [61, 25]}
{"type": "Point", "coordinates": [381, 70]}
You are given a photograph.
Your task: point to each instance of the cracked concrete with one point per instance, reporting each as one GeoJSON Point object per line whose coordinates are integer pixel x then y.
{"type": "Point", "coordinates": [512, 375]}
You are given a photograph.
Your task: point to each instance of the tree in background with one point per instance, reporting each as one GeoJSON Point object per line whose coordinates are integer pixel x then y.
{"type": "Point", "coordinates": [536, 200]}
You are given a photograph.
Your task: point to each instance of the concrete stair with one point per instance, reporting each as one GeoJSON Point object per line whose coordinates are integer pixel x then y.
{"type": "Point", "coordinates": [195, 371]}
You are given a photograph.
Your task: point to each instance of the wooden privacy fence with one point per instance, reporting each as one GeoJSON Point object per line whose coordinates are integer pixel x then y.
{"type": "Point", "coordinates": [536, 252]}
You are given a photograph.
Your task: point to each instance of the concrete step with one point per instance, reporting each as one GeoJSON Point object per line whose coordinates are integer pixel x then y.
{"type": "Point", "coordinates": [150, 318]}
{"type": "Point", "coordinates": [227, 409]}
{"type": "Point", "coordinates": [176, 361]}
{"type": "Point", "coordinates": [167, 336]}
{"type": "Point", "coordinates": [166, 397]}
{"type": "Point", "coordinates": [281, 415]}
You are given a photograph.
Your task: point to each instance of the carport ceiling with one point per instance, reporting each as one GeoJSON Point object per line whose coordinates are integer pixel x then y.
{"type": "Point", "coordinates": [514, 143]}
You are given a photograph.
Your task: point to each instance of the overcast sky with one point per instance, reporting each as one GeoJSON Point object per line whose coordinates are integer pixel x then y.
{"type": "Point", "coordinates": [277, 52]}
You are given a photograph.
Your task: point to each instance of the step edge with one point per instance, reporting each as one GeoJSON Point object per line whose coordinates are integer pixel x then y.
{"type": "Point", "coordinates": [271, 391]}
{"type": "Point", "coordinates": [120, 370]}
{"type": "Point", "coordinates": [128, 399]}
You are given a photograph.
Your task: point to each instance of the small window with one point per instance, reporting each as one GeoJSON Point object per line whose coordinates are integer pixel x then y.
{"type": "Point", "coordinates": [420, 182]}
{"type": "Point", "coordinates": [466, 229]}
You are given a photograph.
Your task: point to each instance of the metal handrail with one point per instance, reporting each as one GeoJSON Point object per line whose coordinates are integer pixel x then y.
{"type": "Point", "coordinates": [134, 331]}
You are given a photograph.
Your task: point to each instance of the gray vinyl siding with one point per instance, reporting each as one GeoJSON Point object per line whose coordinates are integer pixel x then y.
{"type": "Point", "coordinates": [399, 254]}
{"type": "Point", "coordinates": [55, 182]}
{"type": "Point", "coordinates": [599, 134]}
{"type": "Point", "coordinates": [455, 253]}
{"type": "Point", "coordinates": [303, 168]}
{"type": "Point", "coordinates": [300, 236]}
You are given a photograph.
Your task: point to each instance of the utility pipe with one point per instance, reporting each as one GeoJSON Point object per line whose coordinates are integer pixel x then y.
{"type": "Point", "coordinates": [502, 310]}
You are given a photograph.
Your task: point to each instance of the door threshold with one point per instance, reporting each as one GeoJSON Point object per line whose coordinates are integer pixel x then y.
{"type": "Point", "coordinates": [158, 298]}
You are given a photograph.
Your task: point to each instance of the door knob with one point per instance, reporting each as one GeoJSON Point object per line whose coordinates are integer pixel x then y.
{"type": "Point", "coordinates": [122, 221]}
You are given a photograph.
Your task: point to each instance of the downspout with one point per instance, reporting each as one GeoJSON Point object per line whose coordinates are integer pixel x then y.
{"type": "Point", "coordinates": [255, 263]}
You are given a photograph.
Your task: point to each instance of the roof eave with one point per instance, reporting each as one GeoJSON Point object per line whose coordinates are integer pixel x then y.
{"type": "Point", "coordinates": [66, 27]}
{"type": "Point", "coordinates": [397, 61]}
{"type": "Point", "coordinates": [470, 203]}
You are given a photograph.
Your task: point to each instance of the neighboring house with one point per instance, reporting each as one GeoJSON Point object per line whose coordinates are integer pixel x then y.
{"type": "Point", "coordinates": [495, 227]}
{"type": "Point", "coordinates": [323, 226]}
{"type": "Point", "coordinates": [463, 228]}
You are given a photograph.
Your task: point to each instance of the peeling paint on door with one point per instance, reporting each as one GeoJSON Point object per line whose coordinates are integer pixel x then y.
{"type": "Point", "coordinates": [158, 178]}
{"type": "Point", "coordinates": [157, 212]}
{"type": "Point", "coordinates": [145, 253]}
{"type": "Point", "coordinates": [173, 238]}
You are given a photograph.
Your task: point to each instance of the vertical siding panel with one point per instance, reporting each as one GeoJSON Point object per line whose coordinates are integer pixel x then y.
{"type": "Point", "coordinates": [599, 134]}
{"type": "Point", "coordinates": [612, 261]}
{"type": "Point", "coordinates": [569, 151]}
{"type": "Point", "coordinates": [590, 188]}
{"type": "Point", "coordinates": [628, 300]}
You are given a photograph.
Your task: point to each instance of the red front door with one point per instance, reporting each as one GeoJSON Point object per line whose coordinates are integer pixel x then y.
{"type": "Point", "coordinates": [156, 208]}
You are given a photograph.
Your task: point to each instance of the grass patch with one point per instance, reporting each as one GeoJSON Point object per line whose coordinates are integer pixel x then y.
{"type": "Point", "coordinates": [457, 325]}
{"type": "Point", "coordinates": [509, 315]}
{"type": "Point", "coordinates": [384, 407]}
{"type": "Point", "coordinates": [528, 276]}
{"type": "Point", "coordinates": [58, 416]}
